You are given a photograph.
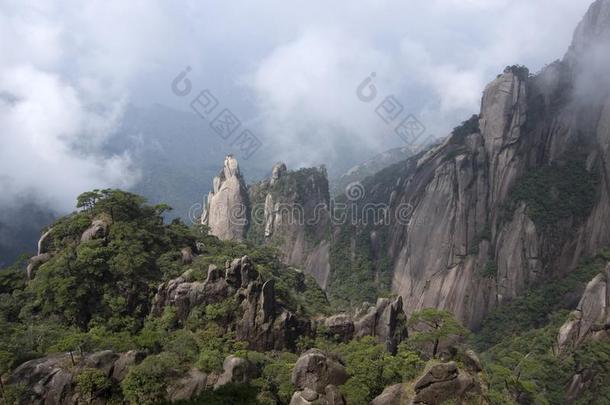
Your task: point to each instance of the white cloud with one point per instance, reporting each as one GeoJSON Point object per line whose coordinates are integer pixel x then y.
{"type": "Point", "coordinates": [71, 67]}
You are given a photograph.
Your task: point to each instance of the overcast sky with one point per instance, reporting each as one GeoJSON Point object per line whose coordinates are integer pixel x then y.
{"type": "Point", "coordinates": [288, 69]}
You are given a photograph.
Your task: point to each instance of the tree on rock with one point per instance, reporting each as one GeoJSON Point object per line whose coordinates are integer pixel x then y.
{"type": "Point", "coordinates": [432, 326]}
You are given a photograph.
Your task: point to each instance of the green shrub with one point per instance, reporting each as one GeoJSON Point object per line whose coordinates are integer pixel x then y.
{"type": "Point", "coordinates": [91, 382]}
{"type": "Point", "coordinates": [146, 383]}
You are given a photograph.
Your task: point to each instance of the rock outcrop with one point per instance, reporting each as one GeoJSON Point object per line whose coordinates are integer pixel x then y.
{"type": "Point", "coordinates": [259, 318]}
{"type": "Point", "coordinates": [35, 262]}
{"type": "Point", "coordinates": [386, 321]}
{"type": "Point", "coordinates": [236, 371]}
{"type": "Point", "coordinates": [51, 380]}
{"type": "Point", "coordinates": [290, 210]}
{"type": "Point", "coordinates": [440, 382]}
{"type": "Point", "coordinates": [591, 318]}
{"type": "Point", "coordinates": [97, 230]}
{"type": "Point", "coordinates": [226, 208]}
{"type": "Point", "coordinates": [466, 242]}
{"type": "Point", "coordinates": [316, 376]}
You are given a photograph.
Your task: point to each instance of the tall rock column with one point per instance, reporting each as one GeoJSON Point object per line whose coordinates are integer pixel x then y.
{"type": "Point", "coordinates": [226, 208]}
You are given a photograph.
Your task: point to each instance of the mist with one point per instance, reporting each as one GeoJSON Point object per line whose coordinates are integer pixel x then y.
{"type": "Point", "coordinates": [290, 72]}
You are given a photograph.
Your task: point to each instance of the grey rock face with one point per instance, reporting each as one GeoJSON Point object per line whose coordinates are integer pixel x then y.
{"type": "Point", "coordinates": [125, 362]}
{"type": "Point", "coordinates": [226, 208]}
{"type": "Point", "coordinates": [386, 321]}
{"type": "Point", "coordinates": [236, 371]}
{"type": "Point", "coordinates": [460, 249]}
{"type": "Point", "coordinates": [35, 262]}
{"type": "Point", "coordinates": [97, 230]}
{"type": "Point", "coordinates": [591, 319]}
{"type": "Point", "coordinates": [315, 370]}
{"type": "Point", "coordinates": [278, 170]}
{"type": "Point", "coordinates": [442, 382]}
{"type": "Point", "coordinates": [392, 395]}
{"type": "Point", "coordinates": [187, 387]}
{"type": "Point", "coordinates": [44, 242]}
{"type": "Point", "coordinates": [295, 218]}
{"type": "Point", "coordinates": [50, 380]}
{"type": "Point", "coordinates": [261, 321]}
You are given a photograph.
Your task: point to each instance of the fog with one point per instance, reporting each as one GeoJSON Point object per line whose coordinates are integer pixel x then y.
{"type": "Point", "coordinates": [289, 71]}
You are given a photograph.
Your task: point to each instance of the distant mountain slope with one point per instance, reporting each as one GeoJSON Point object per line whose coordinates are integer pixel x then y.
{"type": "Point", "coordinates": [368, 168]}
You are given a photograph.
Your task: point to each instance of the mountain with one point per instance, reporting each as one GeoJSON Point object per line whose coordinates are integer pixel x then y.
{"type": "Point", "coordinates": [368, 168]}
{"type": "Point", "coordinates": [495, 240]}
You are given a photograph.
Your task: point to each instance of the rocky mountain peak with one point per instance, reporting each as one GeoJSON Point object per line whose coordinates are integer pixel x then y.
{"type": "Point", "coordinates": [231, 167]}
{"type": "Point", "coordinates": [225, 210]}
{"type": "Point", "coordinates": [278, 170]}
{"type": "Point", "coordinates": [593, 29]}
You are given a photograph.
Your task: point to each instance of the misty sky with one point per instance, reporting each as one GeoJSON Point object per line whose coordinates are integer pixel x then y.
{"type": "Point", "coordinates": [288, 69]}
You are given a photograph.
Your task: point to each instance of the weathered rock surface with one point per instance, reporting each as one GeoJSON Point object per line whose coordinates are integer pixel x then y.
{"type": "Point", "coordinates": [316, 376]}
{"type": "Point", "coordinates": [261, 320]}
{"type": "Point", "coordinates": [97, 230]}
{"type": "Point", "coordinates": [393, 395]}
{"type": "Point", "coordinates": [44, 243]}
{"type": "Point", "coordinates": [386, 321]}
{"type": "Point", "coordinates": [291, 211]}
{"type": "Point", "coordinates": [591, 318]}
{"type": "Point", "coordinates": [315, 370]}
{"type": "Point", "coordinates": [236, 371]}
{"type": "Point", "coordinates": [439, 383]}
{"type": "Point", "coordinates": [50, 380]}
{"type": "Point", "coordinates": [189, 386]}
{"type": "Point", "coordinates": [35, 262]}
{"type": "Point", "coordinates": [459, 249]}
{"type": "Point", "coordinates": [226, 208]}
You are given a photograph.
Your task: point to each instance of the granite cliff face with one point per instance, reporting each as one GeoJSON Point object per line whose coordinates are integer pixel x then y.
{"type": "Point", "coordinates": [225, 210]}
{"type": "Point", "coordinates": [289, 210]}
{"type": "Point", "coordinates": [516, 194]}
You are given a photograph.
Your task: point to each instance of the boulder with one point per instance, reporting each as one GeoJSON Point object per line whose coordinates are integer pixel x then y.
{"type": "Point", "coordinates": [340, 325]}
{"type": "Point", "coordinates": [125, 362]}
{"type": "Point", "coordinates": [591, 319]}
{"type": "Point", "coordinates": [392, 395]}
{"type": "Point", "coordinates": [331, 396]}
{"type": "Point", "coordinates": [315, 370]}
{"type": "Point", "coordinates": [35, 262]}
{"type": "Point", "coordinates": [236, 370]}
{"type": "Point", "coordinates": [442, 382]}
{"type": "Point", "coordinates": [186, 254]}
{"type": "Point", "coordinates": [50, 380]}
{"type": "Point", "coordinates": [97, 230]}
{"type": "Point", "coordinates": [187, 387]}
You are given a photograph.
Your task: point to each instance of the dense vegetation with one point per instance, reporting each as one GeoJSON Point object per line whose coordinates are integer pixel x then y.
{"type": "Point", "coordinates": [556, 192]}
{"type": "Point", "coordinates": [96, 294]}
{"type": "Point", "coordinates": [519, 344]}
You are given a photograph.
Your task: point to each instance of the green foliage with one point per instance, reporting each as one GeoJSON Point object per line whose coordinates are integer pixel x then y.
{"type": "Point", "coordinates": [468, 127]}
{"type": "Point", "coordinates": [372, 368]}
{"type": "Point", "coordinates": [91, 382]}
{"type": "Point", "coordinates": [146, 382]}
{"type": "Point", "coordinates": [524, 368]}
{"type": "Point", "coordinates": [107, 281]}
{"type": "Point", "coordinates": [554, 193]}
{"type": "Point", "coordinates": [352, 280]}
{"type": "Point", "coordinates": [231, 394]}
{"type": "Point", "coordinates": [490, 270]}
{"type": "Point", "coordinates": [522, 72]}
{"type": "Point", "coordinates": [274, 383]}
{"type": "Point", "coordinates": [214, 346]}
{"type": "Point", "coordinates": [532, 310]}
{"type": "Point", "coordinates": [432, 326]}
